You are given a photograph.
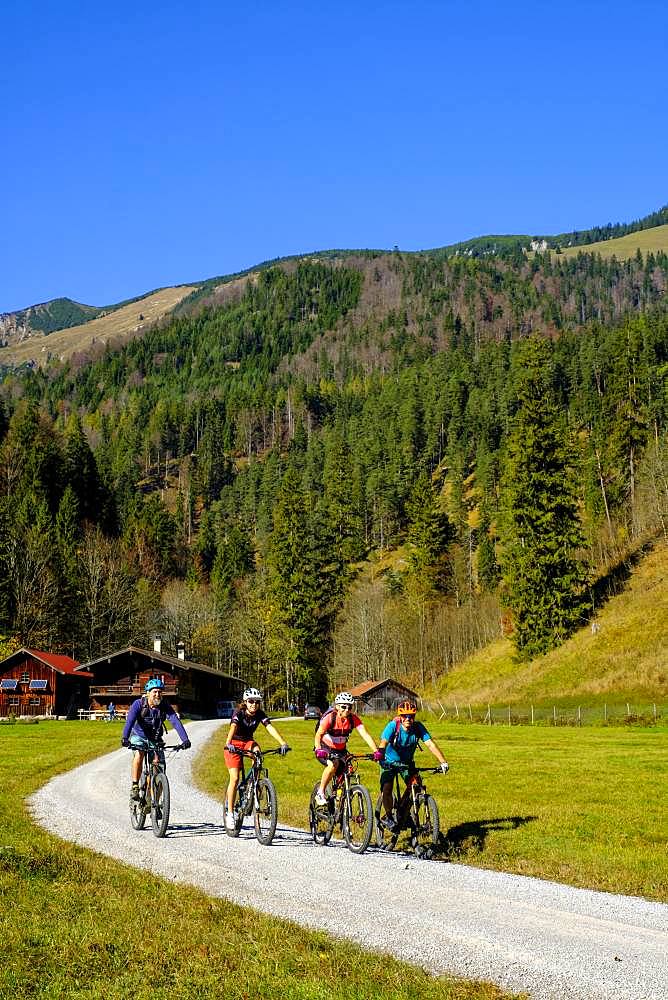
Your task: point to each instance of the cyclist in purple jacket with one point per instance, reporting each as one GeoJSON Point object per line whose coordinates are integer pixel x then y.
{"type": "Point", "coordinates": [144, 727]}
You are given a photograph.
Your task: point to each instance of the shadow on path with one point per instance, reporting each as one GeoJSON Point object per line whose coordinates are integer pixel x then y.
{"type": "Point", "coordinates": [471, 837]}
{"type": "Point", "coordinates": [195, 829]}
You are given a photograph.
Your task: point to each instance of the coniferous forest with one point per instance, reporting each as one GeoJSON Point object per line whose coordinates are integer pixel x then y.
{"type": "Point", "coordinates": [341, 469]}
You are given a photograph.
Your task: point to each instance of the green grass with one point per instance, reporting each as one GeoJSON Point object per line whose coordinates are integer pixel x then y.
{"type": "Point", "coordinates": [582, 806]}
{"type": "Point", "coordinates": [74, 924]}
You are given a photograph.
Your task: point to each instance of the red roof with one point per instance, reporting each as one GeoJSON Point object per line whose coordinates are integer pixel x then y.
{"type": "Point", "coordinates": [64, 664]}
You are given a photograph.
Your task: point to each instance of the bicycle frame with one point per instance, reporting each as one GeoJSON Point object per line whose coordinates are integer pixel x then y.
{"type": "Point", "coordinates": [247, 788]}
{"type": "Point", "coordinates": [349, 807]}
{"type": "Point", "coordinates": [343, 778]}
{"type": "Point", "coordinates": [256, 795]}
{"type": "Point", "coordinates": [407, 803]}
{"type": "Point", "coordinates": [154, 764]}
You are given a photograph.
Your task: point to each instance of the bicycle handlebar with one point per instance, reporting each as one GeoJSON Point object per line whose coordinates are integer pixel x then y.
{"type": "Point", "coordinates": [399, 766]}
{"type": "Point", "coordinates": [165, 747]}
{"type": "Point", "coordinates": [255, 754]}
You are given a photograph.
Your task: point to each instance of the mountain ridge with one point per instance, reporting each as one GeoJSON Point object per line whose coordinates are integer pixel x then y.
{"type": "Point", "coordinates": [63, 312]}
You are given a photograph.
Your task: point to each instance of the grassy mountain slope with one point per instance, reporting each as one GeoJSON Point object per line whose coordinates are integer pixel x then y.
{"type": "Point", "coordinates": [88, 338]}
{"type": "Point", "coordinates": [646, 240]}
{"type": "Point", "coordinates": [625, 660]}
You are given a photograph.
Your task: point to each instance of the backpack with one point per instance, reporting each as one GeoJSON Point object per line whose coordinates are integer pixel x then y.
{"type": "Point", "coordinates": [145, 712]}
{"type": "Point", "coordinates": [318, 722]}
{"type": "Point", "coordinates": [393, 738]}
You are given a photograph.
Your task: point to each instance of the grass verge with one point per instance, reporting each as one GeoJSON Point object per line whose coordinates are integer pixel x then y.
{"type": "Point", "coordinates": [74, 924]}
{"type": "Point", "coordinates": [582, 806]}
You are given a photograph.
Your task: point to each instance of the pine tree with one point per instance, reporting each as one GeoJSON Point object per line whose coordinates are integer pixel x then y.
{"type": "Point", "coordinates": [542, 529]}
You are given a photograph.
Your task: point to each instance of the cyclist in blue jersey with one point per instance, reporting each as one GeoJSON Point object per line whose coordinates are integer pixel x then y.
{"type": "Point", "coordinates": [144, 727]}
{"type": "Point", "coordinates": [399, 739]}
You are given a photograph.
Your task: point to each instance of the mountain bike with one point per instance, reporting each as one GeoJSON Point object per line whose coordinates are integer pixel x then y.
{"type": "Point", "coordinates": [255, 794]}
{"type": "Point", "coordinates": [153, 789]}
{"type": "Point", "coordinates": [415, 811]}
{"type": "Point", "coordinates": [349, 805]}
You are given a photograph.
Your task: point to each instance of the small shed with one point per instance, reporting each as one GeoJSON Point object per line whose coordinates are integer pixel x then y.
{"type": "Point", "coordinates": [376, 697]}
{"type": "Point", "coordinates": [38, 683]}
{"type": "Point", "coordinates": [193, 688]}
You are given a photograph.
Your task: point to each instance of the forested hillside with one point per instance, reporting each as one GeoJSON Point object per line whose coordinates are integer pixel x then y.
{"type": "Point", "coordinates": [348, 468]}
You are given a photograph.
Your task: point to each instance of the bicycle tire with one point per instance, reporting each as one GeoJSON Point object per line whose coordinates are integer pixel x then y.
{"type": "Point", "coordinates": [426, 826]}
{"type": "Point", "coordinates": [321, 819]}
{"type": "Point", "coordinates": [138, 808]}
{"type": "Point", "coordinates": [160, 803]}
{"type": "Point", "coordinates": [358, 819]}
{"type": "Point", "coordinates": [265, 814]}
{"type": "Point", "coordinates": [238, 817]}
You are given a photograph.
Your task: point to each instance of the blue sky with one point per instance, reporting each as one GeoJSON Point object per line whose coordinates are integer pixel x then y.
{"type": "Point", "coordinates": [149, 145]}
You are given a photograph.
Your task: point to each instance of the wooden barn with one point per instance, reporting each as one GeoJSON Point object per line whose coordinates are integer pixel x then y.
{"type": "Point", "coordinates": [381, 697]}
{"type": "Point", "coordinates": [192, 688]}
{"type": "Point", "coordinates": [36, 683]}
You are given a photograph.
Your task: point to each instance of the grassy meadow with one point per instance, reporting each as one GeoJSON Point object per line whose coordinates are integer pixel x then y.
{"type": "Point", "coordinates": [77, 925]}
{"type": "Point", "coordinates": [582, 806]}
{"type": "Point", "coordinates": [117, 325]}
{"type": "Point", "coordinates": [624, 247]}
{"type": "Point", "coordinates": [624, 661]}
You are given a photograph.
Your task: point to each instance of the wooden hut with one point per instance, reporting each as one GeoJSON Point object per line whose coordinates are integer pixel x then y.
{"type": "Point", "coordinates": [192, 688]}
{"type": "Point", "coordinates": [38, 683]}
{"type": "Point", "coordinates": [381, 697]}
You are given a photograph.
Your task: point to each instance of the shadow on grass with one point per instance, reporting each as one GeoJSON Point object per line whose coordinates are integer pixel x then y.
{"type": "Point", "coordinates": [470, 838]}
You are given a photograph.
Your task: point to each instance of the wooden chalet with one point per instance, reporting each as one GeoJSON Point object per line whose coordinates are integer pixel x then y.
{"type": "Point", "coordinates": [192, 688]}
{"type": "Point", "coordinates": [37, 683]}
{"type": "Point", "coordinates": [376, 697]}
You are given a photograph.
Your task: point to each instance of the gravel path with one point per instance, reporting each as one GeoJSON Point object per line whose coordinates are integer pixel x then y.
{"type": "Point", "coordinates": [524, 934]}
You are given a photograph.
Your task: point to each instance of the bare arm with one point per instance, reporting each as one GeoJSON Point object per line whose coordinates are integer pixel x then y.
{"type": "Point", "coordinates": [275, 733]}
{"type": "Point", "coordinates": [435, 750]}
{"type": "Point", "coordinates": [366, 736]}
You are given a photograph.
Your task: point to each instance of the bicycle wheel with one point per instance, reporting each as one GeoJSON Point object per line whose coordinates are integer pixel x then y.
{"type": "Point", "coordinates": [238, 817]}
{"type": "Point", "coordinates": [358, 819]}
{"type": "Point", "coordinates": [266, 812]}
{"type": "Point", "coordinates": [320, 819]}
{"type": "Point", "coordinates": [160, 804]}
{"type": "Point", "coordinates": [426, 826]}
{"type": "Point", "coordinates": [384, 838]}
{"type": "Point", "coordinates": [138, 808]}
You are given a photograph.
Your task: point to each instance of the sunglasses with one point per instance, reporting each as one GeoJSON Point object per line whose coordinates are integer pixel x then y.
{"type": "Point", "coordinates": [253, 701]}
{"type": "Point", "coordinates": [345, 708]}
{"type": "Point", "coordinates": [407, 718]}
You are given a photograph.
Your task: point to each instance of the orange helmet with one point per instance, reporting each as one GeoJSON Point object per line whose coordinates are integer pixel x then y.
{"type": "Point", "coordinates": [407, 708]}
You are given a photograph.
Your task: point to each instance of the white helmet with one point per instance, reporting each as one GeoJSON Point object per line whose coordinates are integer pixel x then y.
{"type": "Point", "coordinates": [252, 693]}
{"type": "Point", "coordinates": [343, 698]}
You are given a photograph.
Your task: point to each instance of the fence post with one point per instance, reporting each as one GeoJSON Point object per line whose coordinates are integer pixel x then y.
{"type": "Point", "coordinates": [457, 709]}
{"type": "Point", "coordinates": [509, 722]}
{"type": "Point", "coordinates": [654, 708]}
{"type": "Point", "coordinates": [470, 713]}
{"type": "Point", "coordinates": [605, 712]}
{"type": "Point", "coordinates": [628, 709]}
{"type": "Point", "coordinates": [554, 714]}
{"type": "Point", "coordinates": [532, 715]}
{"type": "Point", "coordinates": [489, 714]}
{"type": "Point", "coordinates": [579, 717]}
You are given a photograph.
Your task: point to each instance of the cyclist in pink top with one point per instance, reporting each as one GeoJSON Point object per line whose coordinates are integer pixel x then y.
{"type": "Point", "coordinates": [331, 740]}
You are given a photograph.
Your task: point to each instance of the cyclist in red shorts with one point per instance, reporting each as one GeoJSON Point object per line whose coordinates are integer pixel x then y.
{"type": "Point", "coordinates": [331, 740]}
{"type": "Point", "coordinates": [240, 736]}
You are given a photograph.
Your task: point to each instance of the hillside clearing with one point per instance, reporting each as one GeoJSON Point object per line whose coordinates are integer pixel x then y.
{"type": "Point", "coordinates": [118, 326]}
{"type": "Point", "coordinates": [623, 247]}
{"type": "Point", "coordinates": [622, 659]}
